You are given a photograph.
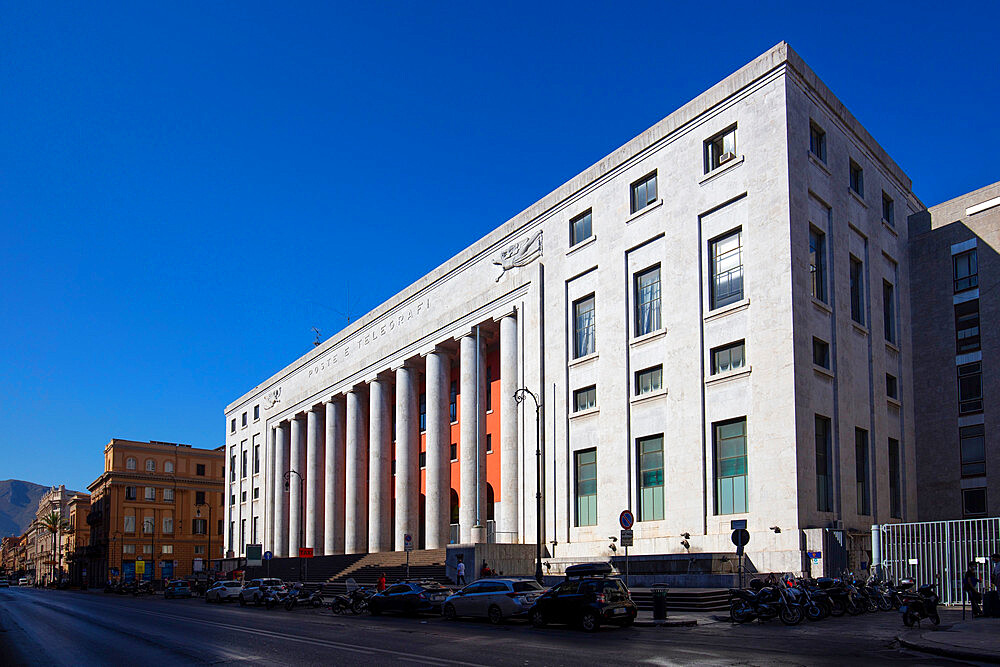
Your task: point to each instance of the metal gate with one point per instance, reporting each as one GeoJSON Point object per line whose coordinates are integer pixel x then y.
{"type": "Point", "coordinates": [939, 551]}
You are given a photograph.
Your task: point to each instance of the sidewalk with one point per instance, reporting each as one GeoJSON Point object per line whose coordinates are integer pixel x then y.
{"type": "Point", "coordinates": [678, 620]}
{"type": "Point", "coordinates": [977, 640]}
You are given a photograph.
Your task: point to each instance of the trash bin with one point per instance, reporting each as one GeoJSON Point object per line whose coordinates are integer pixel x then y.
{"type": "Point", "coordinates": [660, 602]}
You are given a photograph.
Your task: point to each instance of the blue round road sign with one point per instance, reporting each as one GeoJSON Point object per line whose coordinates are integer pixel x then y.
{"type": "Point", "coordinates": [626, 519]}
{"type": "Point", "coordinates": [268, 555]}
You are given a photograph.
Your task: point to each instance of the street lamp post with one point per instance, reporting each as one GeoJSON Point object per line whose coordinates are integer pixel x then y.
{"type": "Point", "coordinates": [208, 529]}
{"type": "Point", "coordinates": [519, 398]}
{"type": "Point", "coordinates": [302, 497]}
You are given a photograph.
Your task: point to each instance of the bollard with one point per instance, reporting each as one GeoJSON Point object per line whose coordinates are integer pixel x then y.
{"type": "Point", "coordinates": [660, 602]}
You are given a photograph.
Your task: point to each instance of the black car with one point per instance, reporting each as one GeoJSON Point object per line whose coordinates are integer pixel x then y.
{"type": "Point", "coordinates": [588, 597]}
{"type": "Point", "coordinates": [409, 597]}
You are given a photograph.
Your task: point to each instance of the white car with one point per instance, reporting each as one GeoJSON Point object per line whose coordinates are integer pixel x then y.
{"type": "Point", "coordinates": [23, 581]}
{"type": "Point", "coordinates": [223, 590]}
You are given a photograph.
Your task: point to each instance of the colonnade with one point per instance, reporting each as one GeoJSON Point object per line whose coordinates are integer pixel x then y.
{"type": "Point", "coordinates": [339, 455]}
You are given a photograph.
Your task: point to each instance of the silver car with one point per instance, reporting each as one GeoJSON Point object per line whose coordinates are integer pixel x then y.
{"type": "Point", "coordinates": [223, 590]}
{"type": "Point", "coordinates": [494, 598]}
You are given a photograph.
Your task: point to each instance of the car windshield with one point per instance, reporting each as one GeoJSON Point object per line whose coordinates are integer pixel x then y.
{"type": "Point", "coordinates": [270, 582]}
{"type": "Point", "coordinates": [232, 584]}
{"type": "Point", "coordinates": [431, 586]}
{"type": "Point", "coordinates": [526, 586]}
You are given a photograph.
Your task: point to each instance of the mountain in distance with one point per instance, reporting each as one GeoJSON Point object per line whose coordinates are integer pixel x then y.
{"type": "Point", "coordinates": [18, 504]}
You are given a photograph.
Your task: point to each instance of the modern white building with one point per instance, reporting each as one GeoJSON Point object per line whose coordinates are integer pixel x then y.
{"type": "Point", "coordinates": [711, 317]}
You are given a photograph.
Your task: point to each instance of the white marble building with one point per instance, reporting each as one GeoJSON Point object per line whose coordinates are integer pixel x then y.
{"type": "Point", "coordinates": [736, 374]}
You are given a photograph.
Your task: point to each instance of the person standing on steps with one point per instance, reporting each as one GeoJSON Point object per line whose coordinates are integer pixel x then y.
{"type": "Point", "coordinates": [460, 568]}
{"type": "Point", "coordinates": [380, 586]}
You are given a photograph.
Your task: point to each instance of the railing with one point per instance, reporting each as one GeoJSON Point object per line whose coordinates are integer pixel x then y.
{"type": "Point", "coordinates": [939, 552]}
{"type": "Point", "coordinates": [455, 534]}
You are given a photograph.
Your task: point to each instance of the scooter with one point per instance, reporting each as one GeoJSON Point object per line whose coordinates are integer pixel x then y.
{"type": "Point", "coordinates": [920, 605]}
{"type": "Point", "coordinates": [299, 595]}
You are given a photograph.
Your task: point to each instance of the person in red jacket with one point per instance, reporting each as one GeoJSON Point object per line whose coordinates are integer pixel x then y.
{"type": "Point", "coordinates": [381, 583]}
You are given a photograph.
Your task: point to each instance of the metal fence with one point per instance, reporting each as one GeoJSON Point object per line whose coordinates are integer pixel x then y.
{"type": "Point", "coordinates": [939, 551]}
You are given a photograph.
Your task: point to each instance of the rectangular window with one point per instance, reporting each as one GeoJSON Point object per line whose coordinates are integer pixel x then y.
{"type": "Point", "coordinates": [168, 495]}
{"type": "Point", "coordinates": [199, 549]}
{"type": "Point", "coordinates": [253, 532]}
{"type": "Point", "coordinates": [423, 411]}
{"type": "Point", "coordinates": [256, 492]}
{"type": "Point", "coordinates": [454, 451]}
{"type": "Point", "coordinates": [244, 419]}
{"type": "Point", "coordinates": [147, 548]}
{"type": "Point", "coordinates": [256, 412]}
{"type": "Point", "coordinates": [817, 141]}
{"type": "Point", "coordinates": [423, 459]}
{"type": "Point", "coordinates": [720, 149]}
{"type": "Point", "coordinates": [895, 481]}
{"type": "Point", "coordinates": [147, 525]}
{"type": "Point", "coordinates": [821, 353]}
{"type": "Point", "coordinates": [200, 469]}
{"type": "Point", "coordinates": [243, 533]}
{"type": "Point", "coordinates": [974, 502]}
{"type": "Point", "coordinates": [168, 548]}
{"type": "Point", "coordinates": [585, 399]}
{"type": "Point", "coordinates": [730, 442]}
{"type": "Point", "coordinates": [972, 442]}
{"type": "Point", "coordinates": [888, 211]}
{"type": "Point", "coordinates": [580, 228]}
{"type": "Point", "coordinates": [129, 493]}
{"type": "Point", "coordinates": [891, 386]}
{"type": "Point", "coordinates": [824, 465]}
{"type": "Point", "coordinates": [728, 358]}
{"type": "Point", "coordinates": [243, 496]}
{"type": "Point", "coordinates": [232, 425]}
{"type": "Point", "coordinates": [970, 388]}
{"type": "Point", "coordinates": [862, 470]}
{"type": "Point", "coordinates": [168, 524]}
{"type": "Point", "coordinates": [966, 268]}
{"type": "Point", "coordinates": [243, 464]}
{"type": "Point", "coordinates": [232, 498]}
{"type": "Point", "coordinates": [647, 301]}
{"type": "Point", "coordinates": [650, 457]}
{"type": "Point", "coordinates": [256, 459]}
{"type": "Point", "coordinates": [649, 380]}
{"type": "Point", "coordinates": [817, 263]}
{"type": "Point", "coordinates": [857, 179]}
{"type": "Point", "coordinates": [129, 524]}
{"type": "Point", "coordinates": [489, 443]}
{"type": "Point", "coordinates": [585, 341]}
{"type": "Point", "coordinates": [199, 526]}
{"type": "Point", "coordinates": [586, 488]}
{"type": "Point", "coordinates": [489, 388]}
{"type": "Point", "coordinates": [453, 404]}
{"type": "Point", "coordinates": [889, 310]}
{"type": "Point", "coordinates": [128, 548]}
{"type": "Point", "coordinates": [967, 326]}
{"type": "Point", "coordinates": [199, 497]}
{"type": "Point", "coordinates": [643, 192]}
{"type": "Point", "coordinates": [150, 493]}
{"type": "Point", "coordinates": [727, 269]}
{"type": "Point", "coordinates": [232, 530]}
{"type": "Point", "coordinates": [857, 290]}
{"type": "Point", "coordinates": [232, 468]}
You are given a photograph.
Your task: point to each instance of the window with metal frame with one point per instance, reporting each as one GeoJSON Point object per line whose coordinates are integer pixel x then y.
{"type": "Point", "coordinates": [967, 326]}
{"type": "Point", "coordinates": [647, 301]}
{"type": "Point", "coordinates": [824, 467]}
{"type": "Point", "coordinates": [730, 444]}
{"type": "Point", "coordinates": [649, 380]}
{"type": "Point", "coordinates": [726, 285]}
{"type": "Point", "coordinates": [729, 357]}
{"type": "Point", "coordinates": [857, 290]}
{"type": "Point", "coordinates": [889, 311]}
{"type": "Point", "coordinates": [580, 228]}
{"type": "Point", "coordinates": [972, 443]}
{"type": "Point", "coordinates": [817, 263]}
{"type": "Point", "coordinates": [585, 399]}
{"type": "Point", "coordinates": [974, 502]}
{"type": "Point", "coordinates": [817, 141]}
{"type": "Point", "coordinates": [966, 270]}
{"type": "Point", "coordinates": [857, 180]}
{"type": "Point", "coordinates": [643, 192]}
{"type": "Point", "coordinates": [651, 486]}
{"type": "Point", "coordinates": [720, 149]}
{"type": "Point", "coordinates": [586, 487]}
{"type": "Point", "coordinates": [585, 338]}
{"type": "Point", "coordinates": [862, 463]}
{"type": "Point", "coordinates": [891, 386]}
{"type": "Point", "coordinates": [970, 388]}
{"type": "Point", "coordinates": [888, 210]}
{"type": "Point", "coordinates": [821, 353]}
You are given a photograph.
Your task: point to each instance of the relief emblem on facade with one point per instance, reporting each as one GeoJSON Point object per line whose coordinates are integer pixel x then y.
{"type": "Point", "coordinates": [271, 398]}
{"type": "Point", "coordinates": [520, 253]}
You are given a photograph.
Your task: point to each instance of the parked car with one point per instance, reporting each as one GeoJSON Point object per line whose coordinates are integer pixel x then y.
{"type": "Point", "coordinates": [23, 581]}
{"type": "Point", "coordinates": [4, 583]}
{"type": "Point", "coordinates": [176, 589]}
{"type": "Point", "coordinates": [588, 597]}
{"type": "Point", "coordinates": [495, 599]}
{"type": "Point", "coordinates": [221, 591]}
{"type": "Point", "coordinates": [409, 597]}
{"type": "Point", "coordinates": [253, 592]}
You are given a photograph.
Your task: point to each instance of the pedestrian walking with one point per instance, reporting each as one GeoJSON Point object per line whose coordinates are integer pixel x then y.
{"type": "Point", "coordinates": [460, 568]}
{"type": "Point", "coordinates": [380, 586]}
{"type": "Point", "coordinates": [970, 585]}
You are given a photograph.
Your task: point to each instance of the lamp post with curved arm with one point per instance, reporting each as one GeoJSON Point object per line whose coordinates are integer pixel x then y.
{"type": "Point", "coordinates": [519, 398]}
{"type": "Point", "coordinates": [302, 514]}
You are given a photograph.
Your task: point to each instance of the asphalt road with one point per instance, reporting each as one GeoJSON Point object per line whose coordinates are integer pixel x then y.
{"type": "Point", "coordinates": [44, 627]}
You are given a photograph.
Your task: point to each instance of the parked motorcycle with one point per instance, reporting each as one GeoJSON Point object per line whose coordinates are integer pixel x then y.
{"type": "Point", "coordinates": [764, 603]}
{"type": "Point", "coordinates": [298, 596]}
{"type": "Point", "coordinates": [920, 605]}
{"type": "Point", "coordinates": [814, 601]}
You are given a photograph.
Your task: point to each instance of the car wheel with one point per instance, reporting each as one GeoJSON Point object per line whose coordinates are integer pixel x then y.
{"type": "Point", "coordinates": [449, 612]}
{"type": "Point", "coordinates": [495, 615]}
{"type": "Point", "coordinates": [589, 621]}
{"type": "Point", "coordinates": [538, 619]}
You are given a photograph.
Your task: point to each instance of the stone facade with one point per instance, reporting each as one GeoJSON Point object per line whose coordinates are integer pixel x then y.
{"type": "Point", "coordinates": [716, 203]}
{"type": "Point", "coordinates": [954, 345]}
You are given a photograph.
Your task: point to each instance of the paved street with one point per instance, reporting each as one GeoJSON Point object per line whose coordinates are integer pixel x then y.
{"type": "Point", "coordinates": [43, 627]}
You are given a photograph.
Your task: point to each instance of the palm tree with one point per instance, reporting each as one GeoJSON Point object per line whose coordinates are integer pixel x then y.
{"type": "Point", "coordinates": [55, 524]}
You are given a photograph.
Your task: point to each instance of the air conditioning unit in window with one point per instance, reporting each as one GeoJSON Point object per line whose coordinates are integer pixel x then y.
{"type": "Point", "coordinates": [726, 157]}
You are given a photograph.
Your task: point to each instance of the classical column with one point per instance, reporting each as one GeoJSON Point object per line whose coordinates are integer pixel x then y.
{"type": "Point", "coordinates": [333, 525]}
{"type": "Point", "coordinates": [279, 540]}
{"type": "Point", "coordinates": [438, 439]}
{"type": "Point", "coordinates": [379, 470]}
{"type": "Point", "coordinates": [473, 485]}
{"type": "Point", "coordinates": [407, 455]}
{"type": "Point", "coordinates": [295, 487]}
{"type": "Point", "coordinates": [356, 478]}
{"type": "Point", "coordinates": [507, 527]}
{"type": "Point", "coordinates": [314, 481]}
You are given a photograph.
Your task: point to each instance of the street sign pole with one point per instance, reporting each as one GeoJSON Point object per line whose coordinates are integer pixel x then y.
{"type": "Point", "coordinates": [407, 547]}
{"type": "Point", "coordinates": [626, 519]}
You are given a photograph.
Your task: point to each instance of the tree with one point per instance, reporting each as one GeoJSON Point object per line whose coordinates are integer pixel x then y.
{"type": "Point", "coordinates": [55, 524]}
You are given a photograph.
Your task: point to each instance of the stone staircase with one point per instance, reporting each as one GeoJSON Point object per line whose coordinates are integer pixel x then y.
{"type": "Point", "coordinates": [427, 564]}
{"type": "Point", "coordinates": [684, 599]}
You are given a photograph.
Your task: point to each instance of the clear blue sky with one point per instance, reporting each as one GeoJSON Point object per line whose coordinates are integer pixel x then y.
{"type": "Point", "coordinates": [187, 188]}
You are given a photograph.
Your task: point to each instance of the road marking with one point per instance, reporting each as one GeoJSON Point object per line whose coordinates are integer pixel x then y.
{"type": "Point", "coordinates": [366, 650]}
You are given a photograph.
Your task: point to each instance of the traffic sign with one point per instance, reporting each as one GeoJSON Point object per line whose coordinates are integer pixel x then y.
{"type": "Point", "coordinates": [305, 552]}
{"type": "Point", "coordinates": [407, 542]}
{"type": "Point", "coordinates": [741, 537]}
{"type": "Point", "coordinates": [140, 567]}
{"type": "Point", "coordinates": [626, 519]}
{"type": "Point", "coordinates": [268, 555]}
{"type": "Point", "coordinates": [254, 556]}
{"type": "Point", "coordinates": [626, 540]}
